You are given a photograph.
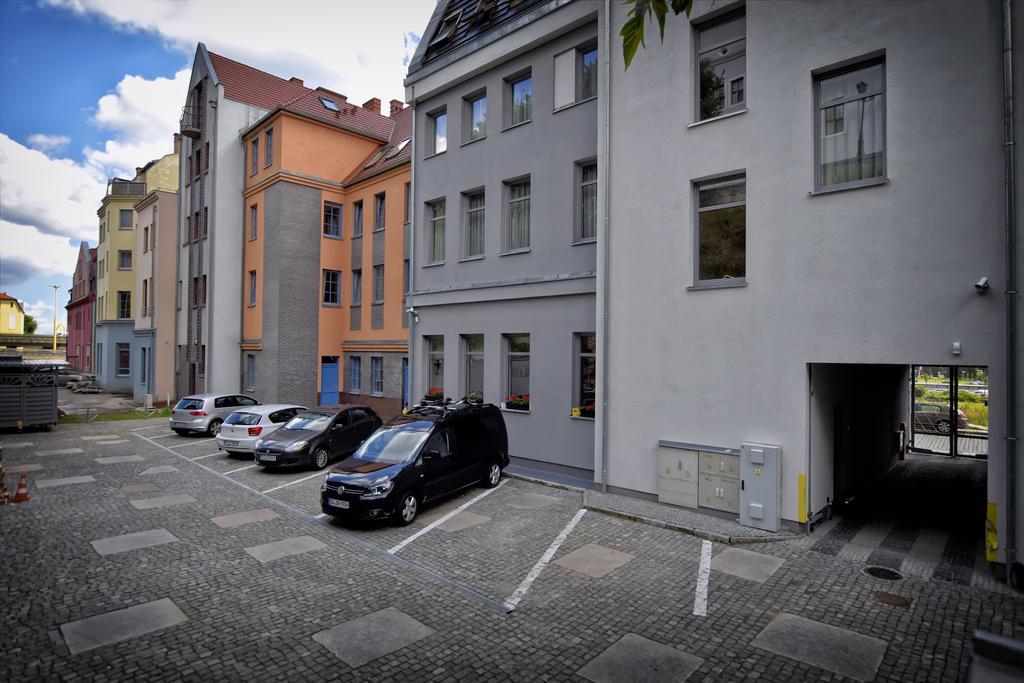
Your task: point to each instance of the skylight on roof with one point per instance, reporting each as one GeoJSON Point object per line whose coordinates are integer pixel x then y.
{"type": "Point", "coordinates": [329, 104]}
{"type": "Point", "coordinates": [374, 159]}
{"type": "Point", "coordinates": [446, 29]}
{"type": "Point", "coordinates": [397, 148]}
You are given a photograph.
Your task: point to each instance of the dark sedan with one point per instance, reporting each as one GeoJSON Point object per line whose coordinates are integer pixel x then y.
{"type": "Point", "coordinates": [315, 437]}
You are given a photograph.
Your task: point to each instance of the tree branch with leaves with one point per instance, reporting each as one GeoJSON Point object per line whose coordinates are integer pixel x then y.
{"type": "Point", "coordinates": [636, 18]}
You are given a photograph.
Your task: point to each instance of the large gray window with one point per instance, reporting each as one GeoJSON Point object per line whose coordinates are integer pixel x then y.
{"type": "Point", "coordinates": [124, 359]}
{"type": "Point", "coordinates": [332, 219]}
{"type": "Point", "coordinates": [268, 153]}
{"type": "Point", "coordinates": [357, 287]}
{"type": "Point", "coordinates": [517, 371]}
{"type": "Point", "coordinates": [126, 217]}
{"type": "Point", "coordinates": [721, 66]}
{"type": "Point", "coordinates": [586, 202]}
{"type": "Point", "coordinates": [517, 216]}
{"type": "Point", "coordinates": [378, 284]}
{"type": "Point", "coordinates": [253, 213]}
{"type": "Point", "coordinates": [357, 218]}
{"type": "Point", "coordinates": [250, 371]}
{"type": "Point", "coordinates": [585, 389]}
{"type": "Point", "coordinates": [255, 157]}
{"type": "Point", "coordinates": [252, 287]}
{"type": "Point", "coordinates": [355, 374]}
{"type": "Point", "coordinates": [519, 99]}
{"type": "Point", "coordinates": [435, 364]}
{"type": "Point", "coordinates": [437, 131]}
{"type": "Point", "coordinates": [377, 375]}
{"type": "Point", "coordinates": [850, 125]}
{"type": "Point", "coordinates": [124, 305]}
{"type": "Point", "coordinates": [722, 229]}
{"type": "Point", "coordinates": [435, 231]}
{"type": "Point", "coordinates": [474, 117]}
{"type": "Point", "coordinates": [473, 380]}
{"type": "Point", "coordinates": [378, 211]}
{"type": "Point", "coordinates": [332, 288]}
{"type": "Point", "coordinates": [124, 259]}
{"type": "Point", "coordinates": [473, 236]}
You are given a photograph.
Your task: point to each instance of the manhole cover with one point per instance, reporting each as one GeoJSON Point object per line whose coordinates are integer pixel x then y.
{"type": "Point", "coordinates": [883, 573]}
{"type": "Point", "coordinates": [892, 599]}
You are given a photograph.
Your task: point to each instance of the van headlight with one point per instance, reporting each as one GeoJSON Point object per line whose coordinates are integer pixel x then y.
{"type": "Point", "coordinates": [379, 490]}
{"type": "Point", "coordinates": [297, 446]}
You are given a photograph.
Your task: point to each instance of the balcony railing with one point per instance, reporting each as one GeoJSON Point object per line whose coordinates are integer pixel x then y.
{"type": "Point", "coordinates": [125, 188]}
{"type": "Point", "coordinates": [191, 121]}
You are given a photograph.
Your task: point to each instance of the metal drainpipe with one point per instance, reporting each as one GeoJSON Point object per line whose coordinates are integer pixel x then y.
{"type": "Point", "coordinates": [603, 242]}
{"type": "Point", "coordinates": [1011, 293]}
{"type": "Point", "coordinates": [412, 248]}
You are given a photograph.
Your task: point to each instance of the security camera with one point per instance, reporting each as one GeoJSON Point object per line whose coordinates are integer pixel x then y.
{"type": "Point", "coordinates": [412, 310]}
{"type": "Point", "coordinates": [982, 285]}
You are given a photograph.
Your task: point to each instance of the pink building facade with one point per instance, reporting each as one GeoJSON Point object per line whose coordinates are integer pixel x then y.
{"type": "Point", "coordinates": [80, 310]}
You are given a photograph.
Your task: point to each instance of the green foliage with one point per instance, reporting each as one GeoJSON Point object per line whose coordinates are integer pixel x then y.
{"type": "Point", "coordinates": [30, 324]}
{"type": "Point", "coordinates": [712, 91]}
{"type": "Point", "coordinates": [633, 30]}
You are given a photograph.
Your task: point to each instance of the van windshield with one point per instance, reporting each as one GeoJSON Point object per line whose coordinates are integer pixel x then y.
{"type": "Point", "coordinates": [393, 445]}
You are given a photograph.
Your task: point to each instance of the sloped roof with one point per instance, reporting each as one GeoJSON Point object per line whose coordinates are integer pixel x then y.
{"type": "Point", "coordinates": [401, 132]}
{"type": "Point", "coordinates": [348, 116]}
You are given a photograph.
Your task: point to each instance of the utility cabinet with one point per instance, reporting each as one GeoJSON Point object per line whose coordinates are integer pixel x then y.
{"type": "Point", "coordinates": [677, 476]}
{"type": "Point", "coordinates": [719, 485]}
{"type": "Point", "coordinates": [696, 476]}
{"type": "Point", "coordinates": [761, 477]}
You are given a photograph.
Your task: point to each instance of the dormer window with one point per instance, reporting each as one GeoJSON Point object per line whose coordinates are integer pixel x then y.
{"type": "Point", "coordinates": [447, 28]}
{"type": "Point", "coordinates": [397, 148]}
{"type": "Point", "coordinates": [329, 104]}
{"type": "Point", "coordinates": [483, 11]}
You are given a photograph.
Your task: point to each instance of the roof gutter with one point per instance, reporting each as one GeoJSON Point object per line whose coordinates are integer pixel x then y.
{"type": "Point", "coordinates": [411, 311]}
{"type": "Point", "coordinates": [603, 244]}
{"type": "Point", "coordinates": [1009, 148]}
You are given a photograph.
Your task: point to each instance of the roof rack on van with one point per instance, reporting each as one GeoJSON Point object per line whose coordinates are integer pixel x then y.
{"type": "Point", "coordinates": [434, 406]}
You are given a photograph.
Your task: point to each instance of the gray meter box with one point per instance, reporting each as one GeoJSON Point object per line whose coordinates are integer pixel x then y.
{"type": "Point", "coordinates": [760, 485]}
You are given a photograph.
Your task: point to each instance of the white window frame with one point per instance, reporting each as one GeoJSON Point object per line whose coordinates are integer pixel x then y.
{"type": "Point", "coordinates": [432, 146]}
{"type": "Point", "coordinates": [510, 98]}
{"type": "Point", "coordinates": [468, 356]}
{"type": "Point", "coordinates": [580, 185]}
{"type": "Point", "coordinates": [469, 215]}
{"type": "Point", "coordinates": [506, 231]}
{"type": "Point", "coordinates": [509, 356]}
{"type": "Point", "coordinates": [336, 301]}
{"type": "Point", "coordinates": [376, 375]}
{"type": "Point", "coordinates": [355, 374]}
{"type": "Point", "coordinates": [468, 112]}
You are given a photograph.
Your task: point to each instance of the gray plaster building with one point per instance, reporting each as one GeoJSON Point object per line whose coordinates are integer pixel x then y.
{"type": "Point", "coordinates": [504, 219]}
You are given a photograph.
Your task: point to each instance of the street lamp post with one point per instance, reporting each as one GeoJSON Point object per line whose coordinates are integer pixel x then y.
{"type": "Point", "coordinates": [55, 288]}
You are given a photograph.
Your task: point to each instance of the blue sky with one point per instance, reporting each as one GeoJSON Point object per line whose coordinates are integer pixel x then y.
{"type": "Point", "coordinates": [90, 89]}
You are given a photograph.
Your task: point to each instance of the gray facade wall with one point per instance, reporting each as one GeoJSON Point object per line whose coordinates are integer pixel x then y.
{"type": "Point", "coordinates": [387, 404]}
{"type": "Point", "coordinates": [878, 275]}
{"type": "Point", "coordinates": [288, 366]}
{"type": "Point", "coordinates": [548, 291]}
{"type": "Point", "coordinates": [110, 333]}
{"type": "Point", "coordinates": [143, 339]}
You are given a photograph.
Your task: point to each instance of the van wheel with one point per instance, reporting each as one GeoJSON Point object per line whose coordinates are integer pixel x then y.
{"type": "Point", "coordinates": [408, 507]}
{"type": "Point", "coordinates": [493, 476]}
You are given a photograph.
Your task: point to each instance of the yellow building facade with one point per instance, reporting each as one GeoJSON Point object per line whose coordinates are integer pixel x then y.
{"type": "Point", "coordinates": [12, 315]}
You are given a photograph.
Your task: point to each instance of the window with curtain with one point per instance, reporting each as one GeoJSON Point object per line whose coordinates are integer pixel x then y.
{"type": "Point", "coordinates": [586, 219]}
{"type": "Point", "coordinates": [517, 232]}
{"type": "Point", "coordinates": [473, 239]}
{"type": "Point", "coordinates": [435, 238]}
{"type": "Point", "coordinates": [851, 125]}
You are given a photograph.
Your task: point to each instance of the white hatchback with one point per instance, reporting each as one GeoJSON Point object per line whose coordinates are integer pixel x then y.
{"type": "Point", "coordinates": [245, 427]}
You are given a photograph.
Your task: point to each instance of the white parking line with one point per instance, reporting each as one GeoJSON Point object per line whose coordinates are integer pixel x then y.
{"type": "Point", "coordinates": [513, 601]}
{"type": "Point", "coordinates": [442, 520]}
{"type": "Point", "coordinates": [193, 443]}
{"type": "Point", "coordinates": [161, 436]}
{"type": "Point", "coordinates": [700, 599]}
{"type": "Point", "coordinates": [139, 429]}
{"type": "Point", "coordinates": [316, 474]}
{"type": "Point", "coordinates": [247, 467]}
{"type": "Point", "coordinates": [208, 455]}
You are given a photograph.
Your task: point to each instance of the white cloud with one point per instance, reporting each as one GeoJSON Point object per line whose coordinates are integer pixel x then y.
{"type": "Point", "coordinates": [43, 313]}
{"type": "Point", "coordinates": [357, 48]}
{"type": "Point", "coordinates": [25, 252]}
{"type": "Point", "coordinates": [48, 143]}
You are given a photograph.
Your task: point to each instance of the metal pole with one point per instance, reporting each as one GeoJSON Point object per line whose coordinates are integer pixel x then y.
{"type": "Point", "coordinates": [604, 245]}
{"type": "Point", "coordinates": [55, 288]}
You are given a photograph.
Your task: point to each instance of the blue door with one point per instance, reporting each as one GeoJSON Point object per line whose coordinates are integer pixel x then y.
{"type": "Point", "coordinates": [405, 382]}
{"type": "Point", "coordinates": [329, 381]}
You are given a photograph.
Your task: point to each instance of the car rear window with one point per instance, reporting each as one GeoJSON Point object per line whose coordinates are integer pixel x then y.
{"type": "Point", "coordinates": [189, 404]}
{"type": "Point", "coordinates": [242, 419]}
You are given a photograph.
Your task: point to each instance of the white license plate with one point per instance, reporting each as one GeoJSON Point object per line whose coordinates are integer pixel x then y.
{"type": "Point", "coordinates": [268, 458]}
{"type": "Point", "coordinates": [230, 443]}
{"type": "Point", "coordinates": [343, 504]}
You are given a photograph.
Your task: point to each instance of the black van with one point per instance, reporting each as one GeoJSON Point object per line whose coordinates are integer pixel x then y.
{"type": "Point", "coordinates": [415, 458]}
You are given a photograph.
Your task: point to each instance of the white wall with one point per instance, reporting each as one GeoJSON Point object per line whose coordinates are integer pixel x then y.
{"type": "Point", "coordinates": [875, 275]}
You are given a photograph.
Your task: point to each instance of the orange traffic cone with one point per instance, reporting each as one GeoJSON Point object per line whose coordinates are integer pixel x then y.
{"type": "Point", "coordinates": [22, 495]}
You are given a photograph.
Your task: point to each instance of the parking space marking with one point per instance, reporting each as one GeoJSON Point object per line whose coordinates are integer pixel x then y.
{"type": "Point", "coordinates": [247, 467]}
{"type": "Point", "coordinates": [700, 598]}
{"type": "Point", "coordinates": [516, 597]}
{"type": "Point", "coordinates": [18, 444]}
{"type": "Point", "coordinates": [192, 443]}
{"type": "Point", "coordinates": [208, 455]}
{"type": "Point", "coordinates": [161, 436]}
{"type": "Point", "coordinates": [441, 520]}
{"type": "Point", "coordinates": [315, 474]}
{"type": "Point", "coordinates": [139, 429]}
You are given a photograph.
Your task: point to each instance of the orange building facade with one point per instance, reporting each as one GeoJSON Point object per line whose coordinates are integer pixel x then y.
{"type": "Point", "coordinates": [325, 261]}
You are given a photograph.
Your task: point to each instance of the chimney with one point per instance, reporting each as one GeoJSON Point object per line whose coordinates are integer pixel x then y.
{"type": "Point", "coordinates": [177, 143]}
{"type": "Point", "coordinates": [396, 106]}
{"type": "Point", "coordinates": [372, 105]}
{"type": "Point", "coordinates": [296, 80]}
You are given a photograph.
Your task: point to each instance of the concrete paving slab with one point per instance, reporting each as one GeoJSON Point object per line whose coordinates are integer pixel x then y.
{"type": "Point", "coordinates": [635, 658]}
{"type": "Point", "coordinates": [139, 488]}
{"type": "Point", "coordinates": [594, 560]}
{"type": "Point", "coordinates": [15, 469]}
{"type": "Point", "coordinates": [296, 545]}
{"type": "Point", "coordinates": [161, 469]}
{"type": "Point", "coordinates": [240, 518]}
{"type": "Point", "coordinates": [162, 501]}
{"type": "Point", "coordinates": [18, 444]}
{"type": "Point", "coordinates": [531, 501]}
{"type": "Point", "coordinates": [746, 564]}
{"type": "Point", "coordinates": [371, 636]}
{"type": "Point", "coordinates": [834, 649]}
{"type": "Point", "coordinates": [112, 459]}
{"type": "Point", "coordinates": [60, 451]}
{"type": "Point", "coordinates": [63, 481]}
{"type": "Point", "coordinates": [463, 520]}
{"type": "Point", "coordinates": [100, 437]}
{"type": "Point", "coordinates": [122, 624]}
{"type": "Point", "coordinates": [135, 541]}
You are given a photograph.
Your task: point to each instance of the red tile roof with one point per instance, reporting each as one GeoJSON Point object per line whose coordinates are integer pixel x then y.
{"type": "Point", "coordinates": [6, 297]}
{"type": "Point", "coordinates": [244, 83]}
{"type": "Point", "coordinates": [401, 132]}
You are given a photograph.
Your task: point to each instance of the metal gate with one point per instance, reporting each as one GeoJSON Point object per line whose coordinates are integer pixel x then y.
{"type": "Point", "coordinates": [949, 412]}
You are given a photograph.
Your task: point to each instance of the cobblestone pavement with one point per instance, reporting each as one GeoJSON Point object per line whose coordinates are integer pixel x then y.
{"type": "Point", "coordinates": [254, 591]}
